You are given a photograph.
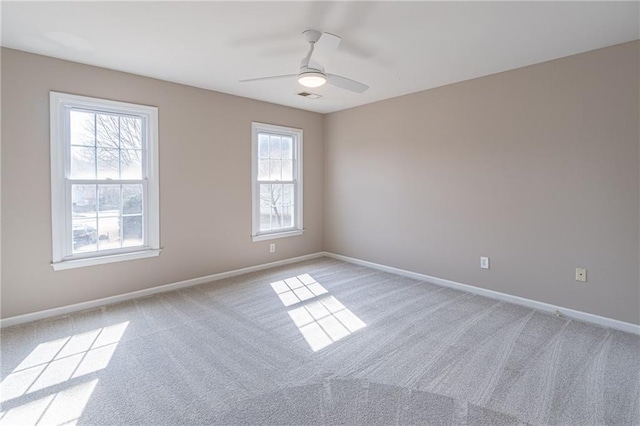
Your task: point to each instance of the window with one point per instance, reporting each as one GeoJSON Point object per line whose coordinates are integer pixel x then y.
{"type": "Point", "coordinates": [276, 181]}
{"type": "Point", "coordinates": [104, 181]}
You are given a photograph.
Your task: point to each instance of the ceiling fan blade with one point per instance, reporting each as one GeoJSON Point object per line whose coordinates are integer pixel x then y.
{"type": "Point", "coordinates": [275, 77]}
{"type": "Point", "coordinates": [324, 49]}
{"type": "Point", "coordinates": [346, 83]}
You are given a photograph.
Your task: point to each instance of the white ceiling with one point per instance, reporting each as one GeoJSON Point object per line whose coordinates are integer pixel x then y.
{"type": "Point", "coordinates": [394, 47]}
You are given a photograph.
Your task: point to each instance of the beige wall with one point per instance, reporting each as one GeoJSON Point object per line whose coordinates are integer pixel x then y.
{"type": "Point", "coordinates": [537, 168]}
{"type": "Point", "coordinates": [205, 183]}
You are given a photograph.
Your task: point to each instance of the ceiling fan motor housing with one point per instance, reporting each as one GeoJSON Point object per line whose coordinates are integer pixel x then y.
{"type": "Point", "coordinates": [311, 36]}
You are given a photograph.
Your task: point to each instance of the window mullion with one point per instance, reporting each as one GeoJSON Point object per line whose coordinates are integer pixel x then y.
{"type": "Point", "coordinates": [119, 147]}
{"type": "Point", "coordinates": [106, 181]}
{"type": "Point", "coordinates": [121, 217]}
{"type": "Point", "coordinates": [145, 216]}
{"type": "Point", "coordinates": [68, 219]}
{"type": "Point", "coordinates": [274, 182]}
{"type": "Point", "coordinates": [95, 144]}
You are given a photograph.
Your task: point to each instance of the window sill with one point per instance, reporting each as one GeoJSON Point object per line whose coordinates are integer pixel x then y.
{"type": "Point", "coordinates": [100, 260]}
{"type": "Point", "coordinates": [274, 235]}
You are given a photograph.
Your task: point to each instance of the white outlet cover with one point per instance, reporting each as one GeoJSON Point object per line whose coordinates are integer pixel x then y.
{"type": "Point", "coordinates": [484, 262]}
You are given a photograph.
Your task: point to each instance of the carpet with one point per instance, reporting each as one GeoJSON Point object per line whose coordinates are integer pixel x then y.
{"type": "Point", "coordinates": [318, 342]}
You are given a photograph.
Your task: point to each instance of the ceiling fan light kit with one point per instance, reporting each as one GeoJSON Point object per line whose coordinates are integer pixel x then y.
{"type": "Point", "coordinates": [312, 79]}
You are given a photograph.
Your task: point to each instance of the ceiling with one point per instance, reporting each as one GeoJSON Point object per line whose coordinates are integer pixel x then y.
{"type": "Point", "coordinates": [394, 47]}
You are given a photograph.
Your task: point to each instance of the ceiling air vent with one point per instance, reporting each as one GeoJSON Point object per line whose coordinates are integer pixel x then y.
{"type": "Point", "coordinates": [309, 95]}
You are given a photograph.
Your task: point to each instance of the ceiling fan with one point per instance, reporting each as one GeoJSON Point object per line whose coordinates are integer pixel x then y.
{"type": "Point", "coordinates": [321, 47]}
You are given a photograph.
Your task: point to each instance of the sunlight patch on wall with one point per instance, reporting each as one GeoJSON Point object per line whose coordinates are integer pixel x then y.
{"type": "Point", "coordinates": [321, 318]}
{"type": "Point", "coordinates": [52, 365]}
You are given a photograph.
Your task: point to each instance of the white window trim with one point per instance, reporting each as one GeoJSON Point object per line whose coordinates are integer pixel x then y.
{"type": "Point", "coordinates": [61, 197]}
{"type": "Point", "coordinates": [256, 235]}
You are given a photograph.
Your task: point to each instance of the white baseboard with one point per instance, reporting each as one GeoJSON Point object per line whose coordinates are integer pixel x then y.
{"type": "Point", "coordinates": [21, 319]}
{"type": "Point", "coordinates": [570, 313]}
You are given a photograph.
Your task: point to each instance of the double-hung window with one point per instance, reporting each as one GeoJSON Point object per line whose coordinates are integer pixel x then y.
{"type": "Point", "coordinates": [104, 181]}
{"type": "Point", "coordinates": [276, 181]}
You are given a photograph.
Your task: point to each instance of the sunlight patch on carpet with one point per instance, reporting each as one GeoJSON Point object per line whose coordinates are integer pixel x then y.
{"type": "Point", "coordinates": [321, 318]}
{"type": "Point", "coordinates": [57, 369]}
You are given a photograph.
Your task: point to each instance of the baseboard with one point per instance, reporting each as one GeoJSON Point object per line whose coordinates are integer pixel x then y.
{"type": "Point", "coordinates": [570, 313]}
{"type": "Point", "coordinates": [21, 319]}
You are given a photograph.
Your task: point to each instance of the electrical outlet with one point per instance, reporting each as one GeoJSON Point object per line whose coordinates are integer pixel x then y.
{"type": "Point", "coordinates": [484, 262]}
{"type": "Point", "coordinates": [581, 275]}
{"type": "Point", "coordinates": [272, 248]}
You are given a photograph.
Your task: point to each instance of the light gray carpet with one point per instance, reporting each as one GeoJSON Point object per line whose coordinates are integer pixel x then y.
{"type": "Point", "coordinates": [388, 350]}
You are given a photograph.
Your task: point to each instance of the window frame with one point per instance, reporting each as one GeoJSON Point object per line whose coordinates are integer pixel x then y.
{"type": "Point", "coordinates": [297, 146]}
{"type": "Point", "coordinates": [61, 210]}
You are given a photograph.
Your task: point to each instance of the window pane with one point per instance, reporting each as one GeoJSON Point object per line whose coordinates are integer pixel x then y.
{"type": "Point", "coordinates": [271, 195]}
{"type": "Point", "coordinates": [276, 217]}
{"type": "Point", "coordinates": [132, 231]}
{"type": "Point", "coordinates": [276, 195]}
{"type": "Point", "coordinates": [263, 146]}
{"type": "Point", "coordinates": [287, 195]}
{"type": "Point", "coordinates": [131, 163]}
{"type": "Point", "coordinates": [84, 235]}
{"type": "Point", "coordinates": [108, 167]}
{"type": "Point", "coordinates": [82, 127]}
{"type": "Point", "coordinates": [271, 211]}
{"type": "Point", "coordinates": [287, 217]}
{"type": "Point", "coordinates": [130, 133]}
{"type": "Point", "coordinates": [83, 199]}
{"type": "Point", "coordinates": [265, 218]}
{"type": "Point", "coordinates": [109, 233]}
{"type": "Point", "coordinates": [274, 147]}
{"type": "Point", "coordinates": [263, 169]}
{"type": "Point", "coordinates": [286, 148]}
{"type": "Point", "coordinates": [132, 199]}
{"type": "Point", "coordinates": [275, 169]}
{"type": "Point", "coordinates": [107, 131]}
{"type": "Point", "coordinates": [83, 163]}
{"type": "Point", "coordinates": [109, 200]}
{"type": "Point", "coordinates": [265, 195]}
{"type": "Point", "coordinates": [287, 170]}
